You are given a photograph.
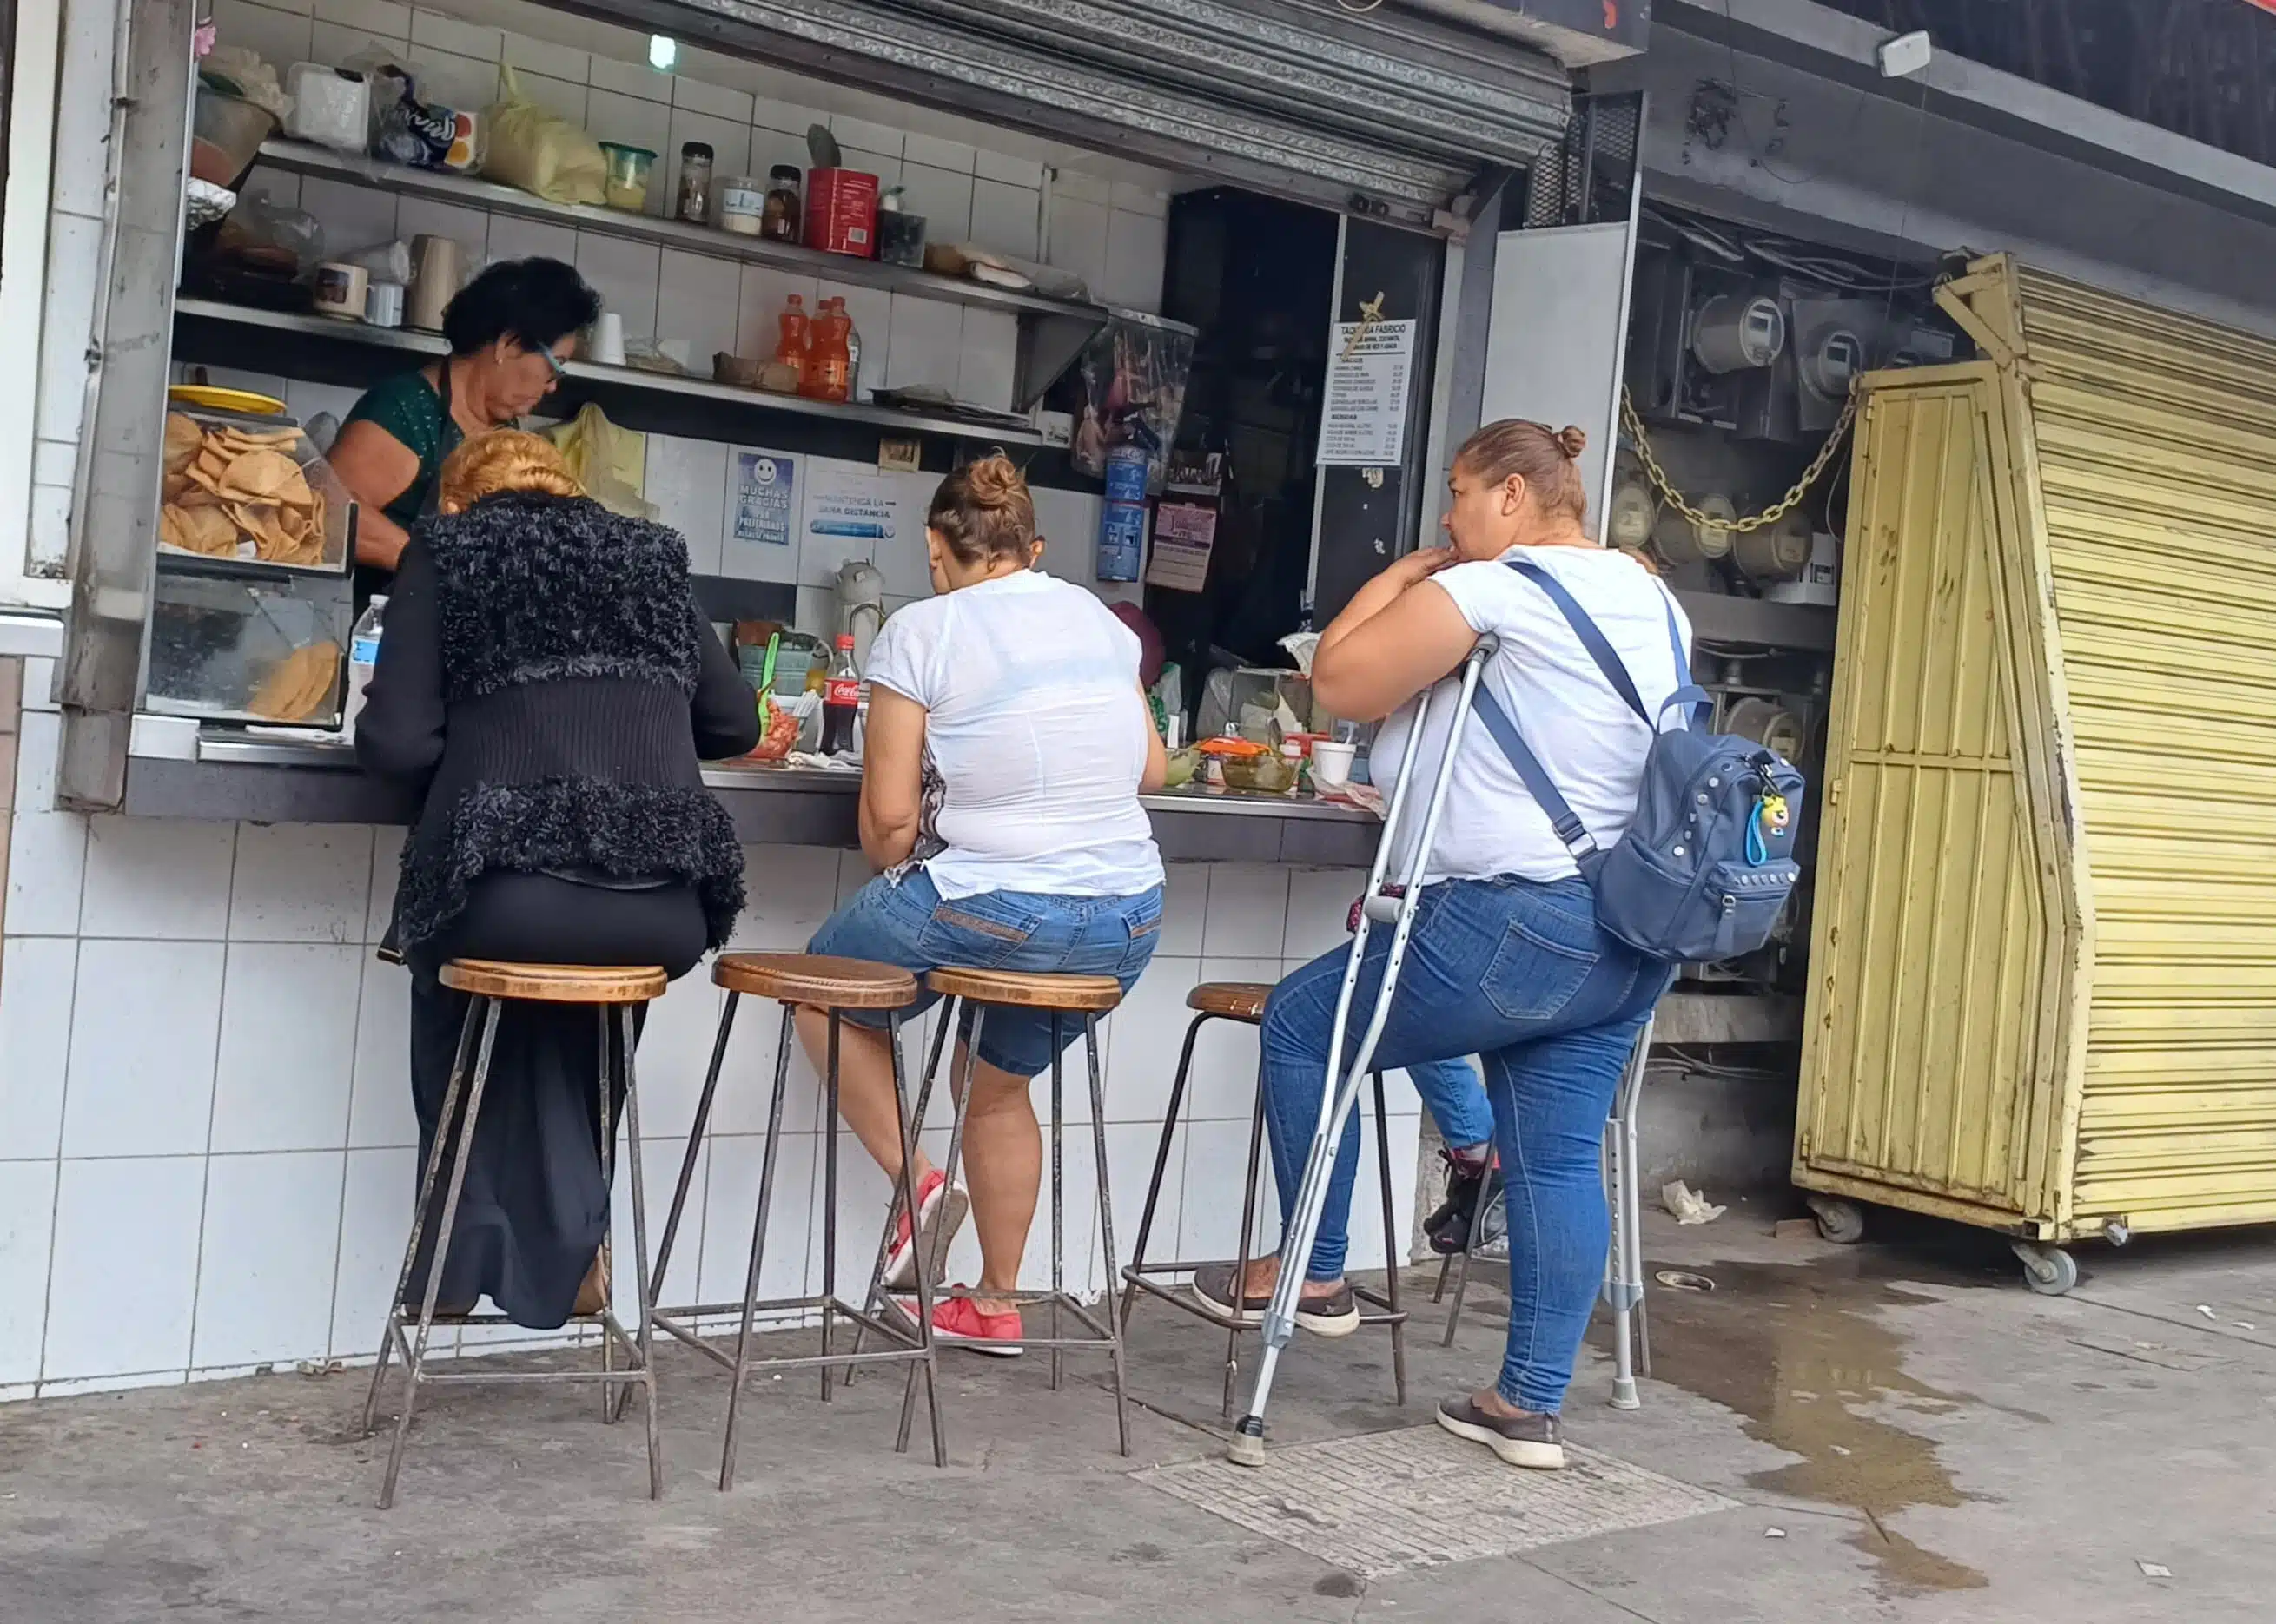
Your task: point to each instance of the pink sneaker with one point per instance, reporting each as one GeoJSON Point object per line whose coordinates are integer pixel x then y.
{"type": "Point", "coordinates": [941, 1209]}
{"type": "Point", "coordinates": [957, 1322]}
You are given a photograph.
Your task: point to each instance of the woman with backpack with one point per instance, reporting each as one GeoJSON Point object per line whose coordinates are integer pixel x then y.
{"type": "Point", "coordinates": [1506, 959]}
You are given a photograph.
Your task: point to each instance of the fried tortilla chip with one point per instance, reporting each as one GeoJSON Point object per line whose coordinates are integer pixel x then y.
{"type": "Point", "coordinates": [183, 439]}
{"type": "Point", "coordinates": [265, 476]}
{"type": "Point", "coordinates": [206, 529]}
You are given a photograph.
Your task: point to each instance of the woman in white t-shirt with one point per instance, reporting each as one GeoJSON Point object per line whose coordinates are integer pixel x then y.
{"type": "Point", "coordinates": [1007, 744]}
{"type": "Point", "coordinates": [1506, 960]}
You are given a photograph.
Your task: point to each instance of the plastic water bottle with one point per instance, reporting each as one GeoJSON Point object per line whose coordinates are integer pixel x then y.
{"type": "Point", "coordinates": [363, 655]}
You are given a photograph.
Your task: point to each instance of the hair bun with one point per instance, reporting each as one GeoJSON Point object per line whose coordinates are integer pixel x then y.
{"type": "Point", "coordinates": [1570, 441]}
{"type": "Point", "coordinates": [993, 482]}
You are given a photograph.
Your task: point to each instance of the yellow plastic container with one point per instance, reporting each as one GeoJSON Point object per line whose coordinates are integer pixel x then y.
{"type": "Point", "coordinates": [2043, 992]}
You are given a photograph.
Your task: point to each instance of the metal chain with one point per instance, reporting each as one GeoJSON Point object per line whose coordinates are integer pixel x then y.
{"type": "Point", "coordinates": [1631, 426]}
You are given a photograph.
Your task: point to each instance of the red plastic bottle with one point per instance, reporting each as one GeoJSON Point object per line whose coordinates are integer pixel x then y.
{"type": "Point", "coordinates": [841, 699]}
{"type": "Point", "coordinates": [830, 357]}
{"type": "Point", "coordinates": [791, 347]}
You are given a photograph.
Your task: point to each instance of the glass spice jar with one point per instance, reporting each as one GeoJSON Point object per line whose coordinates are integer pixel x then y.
{"type": "Point", "coordinates": [694, 183]}
{"type": "Point", "coordinates": [781, 220]}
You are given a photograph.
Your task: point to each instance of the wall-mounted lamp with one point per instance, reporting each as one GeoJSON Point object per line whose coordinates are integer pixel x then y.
{"type": "Point", "coordinates": [1906, 54]}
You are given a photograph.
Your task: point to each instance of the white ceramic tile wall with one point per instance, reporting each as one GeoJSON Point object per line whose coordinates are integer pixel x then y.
{"type": "Point", "coordinates": [207, 1153]}
{"type": "Point", "coordinates": [236, 1159]}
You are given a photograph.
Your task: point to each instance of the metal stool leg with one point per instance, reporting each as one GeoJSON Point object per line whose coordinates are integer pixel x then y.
{"type": "Point", "coordinates": [904, 1197]}
{"type": "Point", "coordinates": [1058, 1205]}
{"type": "Point", "coordinates": [1391, 1247]}
{"type": "Point", "coordinates": [695, 1140]}
{"type": "Point", "coordinates": [1161, 1167]}
{"type": "Point", "coordinates": [927, 1267]}
{"type": "Point", "coordinates": [829, 1204]}
{"type": "Point", "coordinates": [414, 1355]}
{"type": "Point", "coordinates": [1105, 1223]}
{"type": "Point", "coordinates": [609, 1389]}
{"type": "Point", "coordinates": [1462, 1264]}
{"type": "Point", "coordinates": [906, 1193]}
{"type": "Point", "coordinates": [641, 1284]}
{"type": "Point", "coordinates": [758, 1253]}
{"type": "Point", "coordinates": [436, 1157]}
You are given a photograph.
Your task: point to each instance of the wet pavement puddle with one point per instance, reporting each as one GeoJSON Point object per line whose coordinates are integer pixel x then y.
{"type": "Point", "coordinates": [1802, 1353]}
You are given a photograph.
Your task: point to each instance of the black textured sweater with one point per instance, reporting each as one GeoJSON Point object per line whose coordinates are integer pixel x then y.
{"type": "Point", "coordinates": [548, 682]}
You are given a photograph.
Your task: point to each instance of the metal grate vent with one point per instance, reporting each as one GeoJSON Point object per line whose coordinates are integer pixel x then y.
{"type": "Point", "coordinates": [1418, 1498]}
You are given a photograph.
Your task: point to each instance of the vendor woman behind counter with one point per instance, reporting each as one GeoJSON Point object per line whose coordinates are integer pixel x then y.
{"type": "Point", "coordinates": [509, 329]}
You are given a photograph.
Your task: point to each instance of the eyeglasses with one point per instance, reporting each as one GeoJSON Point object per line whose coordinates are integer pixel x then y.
{"type": "Point", "coordinates": [553, 362]}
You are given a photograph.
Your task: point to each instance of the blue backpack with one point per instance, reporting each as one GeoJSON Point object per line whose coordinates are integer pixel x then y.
{"type": "Point", "coordinates": [1706, 866]}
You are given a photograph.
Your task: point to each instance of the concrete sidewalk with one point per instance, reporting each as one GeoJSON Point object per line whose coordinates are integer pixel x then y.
{"type": "Point", "coordinates": [1895, 1431]}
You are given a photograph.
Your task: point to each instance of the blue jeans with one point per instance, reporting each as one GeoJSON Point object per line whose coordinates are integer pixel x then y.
{"type": "Point", "coordinates": [1519, 974]}
{"type": "Point", "coordinates": [911, 925]}
{"type": "Point", "coordinates": [1457, 1102]}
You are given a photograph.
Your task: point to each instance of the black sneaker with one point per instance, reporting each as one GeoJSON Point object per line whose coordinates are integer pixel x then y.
{"type": "Point", "coordinates": [1531, 1441]}
{"type": "Point", "coordinates": [1449, 1226]}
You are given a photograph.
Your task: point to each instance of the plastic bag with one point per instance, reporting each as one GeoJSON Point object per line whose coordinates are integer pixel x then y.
{"type": "Point", "coordinates": [260, 230]}
{"type": "Point", "coordinates": [611, 463]}
{"type": "Point", "coordinates": [540, 151]}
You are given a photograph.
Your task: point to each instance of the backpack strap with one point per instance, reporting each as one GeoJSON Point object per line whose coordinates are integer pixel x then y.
{"type": "Point", "coordinates": [1689, 695]}
{"type": "Point", "coordinates": [1570, 829]}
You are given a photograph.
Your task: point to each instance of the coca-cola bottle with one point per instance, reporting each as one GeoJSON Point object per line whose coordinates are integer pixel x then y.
{"type": "Point", "coordinates": [841, 699]}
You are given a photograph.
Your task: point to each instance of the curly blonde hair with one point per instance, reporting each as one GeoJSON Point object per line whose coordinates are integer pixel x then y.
{"type": "Point", "coordinates": [503, 459]}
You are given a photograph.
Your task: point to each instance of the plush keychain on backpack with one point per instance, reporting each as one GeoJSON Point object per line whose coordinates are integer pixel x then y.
{"type": "Point", "coordinates": [1769, 821]}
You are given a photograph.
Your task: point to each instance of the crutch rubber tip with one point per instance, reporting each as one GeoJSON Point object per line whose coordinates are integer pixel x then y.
{"type": "Point", "coordinates": [1247, 1446]}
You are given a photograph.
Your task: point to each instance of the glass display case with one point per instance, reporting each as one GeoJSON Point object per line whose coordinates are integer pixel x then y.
{"type": "Point", "coordinates": [260, 651]}
{"type": "Point", "coordinates": [247, 486]}
{"type": "Point", "coordinates": [252, 602]}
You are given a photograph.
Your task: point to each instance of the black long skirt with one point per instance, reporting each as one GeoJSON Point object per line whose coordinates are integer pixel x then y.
{"type": "Point", "coordinates": [535, 1209]}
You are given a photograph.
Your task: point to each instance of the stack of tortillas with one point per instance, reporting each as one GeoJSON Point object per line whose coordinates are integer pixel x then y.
{"type": "Point", "coordinates": [231, 492]}
{"type": "Point", "coordinates": [299, 685]}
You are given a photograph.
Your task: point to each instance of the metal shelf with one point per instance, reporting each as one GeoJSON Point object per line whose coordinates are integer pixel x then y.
{"type": "Point", "coordinates": [322, 161]}
{"type": "Point", "coordinates": [630, 379]}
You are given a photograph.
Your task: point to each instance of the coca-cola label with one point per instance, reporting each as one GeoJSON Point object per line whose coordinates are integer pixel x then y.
{"type": "Point", "coordinates": [845, 690]}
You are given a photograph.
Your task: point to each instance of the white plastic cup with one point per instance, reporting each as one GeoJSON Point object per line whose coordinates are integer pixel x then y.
{"type": "Point", "coordinates": [1332, 764]}
{"type": "Point", "coordinates": [609, 339]}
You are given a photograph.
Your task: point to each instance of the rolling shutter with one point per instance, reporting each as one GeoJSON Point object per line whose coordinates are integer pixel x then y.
{"type": "Point", "coordinates": [1378, 113]}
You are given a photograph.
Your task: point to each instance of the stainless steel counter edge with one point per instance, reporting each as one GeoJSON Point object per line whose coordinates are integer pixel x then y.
{"type": "Point", "coordinates": [230, 778]}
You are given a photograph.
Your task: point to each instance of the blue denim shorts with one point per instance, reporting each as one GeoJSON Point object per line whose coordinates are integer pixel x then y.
{"type": "Point", "coordinates": [911, 925]}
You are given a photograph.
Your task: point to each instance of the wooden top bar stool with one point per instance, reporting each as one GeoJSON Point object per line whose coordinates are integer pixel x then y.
{"type": "Point", "coordinates": [614, 992]}
{"type": "Point", "coordinates": [1244, 1001]}
{"type": "Point", "coordinates": [1083, 998]}
{"type": "Point", "coordinates": [834, 985]}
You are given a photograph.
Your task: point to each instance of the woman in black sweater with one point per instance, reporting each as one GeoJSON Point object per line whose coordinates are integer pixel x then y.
{"type": "Point", "coordinates": [548, 683]}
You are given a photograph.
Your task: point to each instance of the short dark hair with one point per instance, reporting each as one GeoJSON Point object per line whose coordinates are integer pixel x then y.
{"type": "Point", "coordinates": [538, 301]}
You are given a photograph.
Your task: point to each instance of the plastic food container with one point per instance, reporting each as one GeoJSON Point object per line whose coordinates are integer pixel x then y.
{"type": "Point", "coordinates": [626, 185]}
{"type": "Point", "coordinates": [742, 204]}
{"type": "Point", "coordinates": [330, 106]}
{"type": "Point", "coordinates": [225, 136]}
{"type": "Point", "coordinates": [269, 652]}
{"type": "Point", "coordinates": [249, 488]}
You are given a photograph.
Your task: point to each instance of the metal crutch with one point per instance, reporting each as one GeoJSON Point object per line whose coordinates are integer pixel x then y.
{"type": "Point", "coordinates": [1386, 903]}
{"type": "Point", "coordinates": [1624, 1263]}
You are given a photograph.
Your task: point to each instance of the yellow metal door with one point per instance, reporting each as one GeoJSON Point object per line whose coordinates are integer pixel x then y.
{"type": "Point", "coordinates": [1929, 1063]}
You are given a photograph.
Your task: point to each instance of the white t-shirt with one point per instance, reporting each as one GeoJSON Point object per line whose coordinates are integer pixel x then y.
{"type": "Point", "coordinates": [1589, 742]}
{"type": "Point", "coordinates": [1035, 738]}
